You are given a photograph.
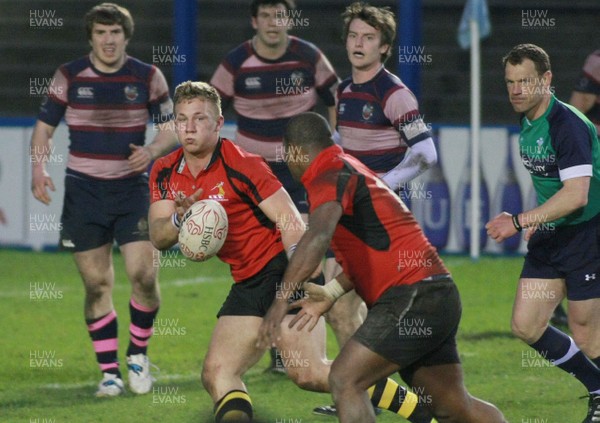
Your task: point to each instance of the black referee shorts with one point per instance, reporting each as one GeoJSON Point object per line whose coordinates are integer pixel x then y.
{"type": "Point", "coordinates": [571, 253]}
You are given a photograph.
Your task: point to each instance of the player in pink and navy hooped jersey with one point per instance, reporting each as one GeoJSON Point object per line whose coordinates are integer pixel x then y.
{"type": "Point", "coordinates": [105, 113]}
{"type": "Point", "coordinates": [269, 79]}
{"type": "Point", "coordinates": [266, 93]}
{"type": "Point", "coordinates": [379, 120]}
{"type": "Point", "coordinates": [107, 99]}
{"type": "Point", "coordinates": [378, 117]}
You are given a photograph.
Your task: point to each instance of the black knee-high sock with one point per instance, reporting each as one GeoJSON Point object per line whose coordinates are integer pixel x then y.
{"type": "Point", "coordinates": [140, 329]}
{"type": "Point", "coordinates": [561, 350]}
{"type": "Point", "coordinates": [103, 332]}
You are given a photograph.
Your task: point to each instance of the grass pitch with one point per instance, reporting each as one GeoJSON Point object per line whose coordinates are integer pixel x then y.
{"type": "Point", "coordinates": [49, 372]}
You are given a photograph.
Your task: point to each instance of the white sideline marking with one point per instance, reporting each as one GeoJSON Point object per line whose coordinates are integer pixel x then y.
{"type": "Point", "coordinates": [79, 385]}
{"type": "Point", "coordinates": [121, 286]}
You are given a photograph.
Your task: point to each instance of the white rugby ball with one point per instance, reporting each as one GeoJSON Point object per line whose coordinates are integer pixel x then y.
{"type": "Point", "coordinates": [203, 230]}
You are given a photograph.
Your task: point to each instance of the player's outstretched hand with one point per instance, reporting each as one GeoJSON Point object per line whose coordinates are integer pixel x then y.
{"type": "Point", "coordinates": [39, 181]}
{"type": "Point", "coordinates": [140, 158]}
{"type": "Point", "coordinates": [269, 332]}
{"type": "Point", "coordinates": [314, 304]}
{"type": "Point", "coordinates": [182, 203]}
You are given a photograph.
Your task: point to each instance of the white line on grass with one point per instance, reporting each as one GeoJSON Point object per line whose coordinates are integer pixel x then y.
{"type": "Point", "coordinates": [159, 378]}
{"type": "Point", "coordinates": [123, 286]}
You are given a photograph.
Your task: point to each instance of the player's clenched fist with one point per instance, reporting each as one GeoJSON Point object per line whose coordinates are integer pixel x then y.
{"type": "Point", "coordinates": [501, 227]}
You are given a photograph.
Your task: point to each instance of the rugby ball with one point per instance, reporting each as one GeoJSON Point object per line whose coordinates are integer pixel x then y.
{"type": "Point", "coordinates": [203, 230]}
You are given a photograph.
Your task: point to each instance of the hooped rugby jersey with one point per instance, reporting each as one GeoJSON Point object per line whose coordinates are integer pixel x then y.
{"type": "Point", "coordinates": [266, 94]}
{"type": "Point", "coordinates": [238, 180]}
{"type": "Point", "coordinates": [589, 82]}
{"type": "Point", "coordinates": [105, 112]}
{"type": "Point", "coordinates": [378, 120]}
{"type": "Point", "coordinates": [378, 242]}
{"type": "Point", "coordinates": [561, 144]}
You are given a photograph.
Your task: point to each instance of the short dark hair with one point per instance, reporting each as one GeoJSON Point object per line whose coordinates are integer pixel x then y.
{"type": "Point", "coordinates": [289, 5]}
{"type": "Point", "coordinates": [109, 14]}
{"type": "Point", "coordinates": [308, 128]}
{"type": "Point", "coordinates": [381, 18]}
{"type": "Point", "coordinates": [536, 54]}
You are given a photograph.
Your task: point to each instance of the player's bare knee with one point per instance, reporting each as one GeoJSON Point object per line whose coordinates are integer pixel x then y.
{"type": "Point", "coordinates": [339, 318]}
{"type": "Point", "coordinates": [309, 379]}
{"type": "Point", "coordinates": [307, 382]}
{"type": "Point", "coordinates": [525, 332]}
{"type": "Point", "coordinates": [340, 378]}
{"type": "Point", "coordinates": [145, 279]}
{"type": "Point", "coordinates": [209, 375]}
{"type": "Point", "coordinates": [96, 289]}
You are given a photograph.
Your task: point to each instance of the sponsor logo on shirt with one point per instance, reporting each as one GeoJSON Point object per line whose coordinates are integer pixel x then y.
{"type": "Point", "coordinates": [342, 108]}
{"type": "Point", "coordinates": [67, 243]}
{"type": "Point", "coordinates": [253, 83]}
{"type": "Point", "coordinates": [85, 92]}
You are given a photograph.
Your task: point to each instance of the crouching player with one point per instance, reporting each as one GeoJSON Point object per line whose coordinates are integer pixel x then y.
{"type": "Point", "coordinates": [368, 227]}
{"type": "Point", "coordinates": [207, 166]}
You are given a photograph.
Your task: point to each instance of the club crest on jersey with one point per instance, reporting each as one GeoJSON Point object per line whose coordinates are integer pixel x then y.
{"type": "Point", "coordinates": [131, 92]}
{"type": "Point", "coordinates": [342, 108]}
{"type": "Point", "coordinates": [253, 83]}
{"type": "Point", "coordinates": [367, 111]}
{"type": "Point", "coordinates": [220, 195]}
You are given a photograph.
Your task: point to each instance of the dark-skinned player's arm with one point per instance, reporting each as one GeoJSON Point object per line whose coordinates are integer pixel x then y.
{"type": "Point", "coordinates": [308, 255]}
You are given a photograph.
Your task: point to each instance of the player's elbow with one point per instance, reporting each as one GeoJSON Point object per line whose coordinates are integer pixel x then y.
{"type": "Point", "coordinates": [576, 201]}
{"type": "Point", "coordinates": [160, 240]}
{"type": "Point", "coordinates": [581, 200]}
{"type": "Point", "coordinates": [158, 243]}
{"type": "Point", "coordinates": [428, 162]}
{"type": "Point", "coordinates": [320, 242]}
{"type": "Point", "coordinates": [428, 159]}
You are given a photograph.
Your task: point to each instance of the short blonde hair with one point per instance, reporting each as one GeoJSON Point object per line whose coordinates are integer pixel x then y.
{"type": "Point", "coordinates": [190, 90]}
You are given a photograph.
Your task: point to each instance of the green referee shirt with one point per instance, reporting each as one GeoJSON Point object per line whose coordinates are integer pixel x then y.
{"type": "Point", "coordinates": [562, 144]}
